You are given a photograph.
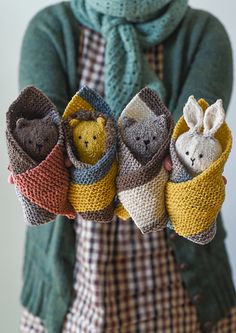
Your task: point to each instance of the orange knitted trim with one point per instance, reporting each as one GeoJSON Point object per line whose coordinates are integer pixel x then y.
{"type": "Point", "coordinates": [47, 184]}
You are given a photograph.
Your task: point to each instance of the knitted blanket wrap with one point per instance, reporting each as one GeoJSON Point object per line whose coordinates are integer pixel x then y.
{"type": "Point", "coordinates": [92, 187]}
{"type": "Point", "coordinates": [40, 186]}
{"type": "Point", "coordinates": [141, 187]}
{"type": "Point", "coordinates": [194, 203]}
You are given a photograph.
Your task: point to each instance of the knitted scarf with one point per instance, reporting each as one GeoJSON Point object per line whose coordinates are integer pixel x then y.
{"type": "Point", "coordinates": [129, 27]}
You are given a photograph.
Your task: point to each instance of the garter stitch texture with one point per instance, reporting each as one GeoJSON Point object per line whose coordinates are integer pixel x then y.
{"type": "Point", "coordinates": [141, 187]}
{"type": "Point", "coordinates": [194, 203]}
{"type": "Point", "coordinates": [92, 188]}
{"type": "Point", "coordinates": [40, 186]}
{"type": "Point", "coordinates": [126, 68]}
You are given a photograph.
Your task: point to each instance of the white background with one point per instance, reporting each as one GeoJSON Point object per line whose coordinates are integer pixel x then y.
{"type": "Point", "coordinates": [14, 16]}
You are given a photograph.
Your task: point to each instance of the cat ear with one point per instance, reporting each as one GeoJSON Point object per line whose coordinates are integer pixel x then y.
{"type": "Point", "coordinates": [21, 123]}
{"type": "Point", "coordinates": [213, 118]}
{"type": "Point", "coordinates": [193, 115]}
{"type": "Point", "coordinates": [127, 122]}
{"type": "Point", "coordinates": [160, 120]}
{"type": "Point", "coordinates": [73, 123]}
{"type": "Point", "coordinates": [101, 122]}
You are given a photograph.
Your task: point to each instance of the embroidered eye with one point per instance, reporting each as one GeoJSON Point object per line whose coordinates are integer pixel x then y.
{"type": "Point", "coordinates": [187, 153]}
{"type": "Point", "coordinates": [137, 138]}
{"type": "Point", "coordinates": [201, 156]}
{"type": "Point", "coordinates": [80, 137]}
{"type": "Point", "coordinates": [30, 142]}
{"type": "Point", "coordinates": [154, 138]}
{"type": "Point", "coordinates": [94, 137]}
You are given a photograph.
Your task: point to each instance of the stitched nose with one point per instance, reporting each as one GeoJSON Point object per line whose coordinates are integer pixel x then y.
{"type": "Point", "coordinates": [146, 142]}
{"type": "Point", "coordinates": [39, 146]}
{"type": "Point", "coordinates": [192, 159]}
{"type": "Point", "coordinates": [86, 143]}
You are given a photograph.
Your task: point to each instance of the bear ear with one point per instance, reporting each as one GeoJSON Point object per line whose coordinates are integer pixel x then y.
{"type": "Point", "coordinates": [73, 123]}
{"type": "Point", "coordinates": [101, 122]}
{"type": "Point", "coordinates": [127, 122]}
{"type": "Point", "coordinates": [21, 123]}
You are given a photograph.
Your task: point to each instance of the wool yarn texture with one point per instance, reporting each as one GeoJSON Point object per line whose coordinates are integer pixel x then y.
{"type": "Point", "coordinates": [140, 186]}
{"type": "Point", "coordinates": [92, 188]}
{"type": "Point", "coordinates": [134, 26]}
{"type": "Point", "coordinates": [193, 203]}
{"type": "Point", "coordinates": [40, 186]}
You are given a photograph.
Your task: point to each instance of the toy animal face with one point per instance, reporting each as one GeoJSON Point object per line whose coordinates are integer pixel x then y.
{"type": "Point", "coordinates": [89, 137]}
{"type": "Point", "coordinates": [37, 137]}
{"type": "Point", "coordinates": [197, 153]}
{"type": "Point", "coordinates": [198, 148]}
{"type": "Point", "coordinates": [144, 138]}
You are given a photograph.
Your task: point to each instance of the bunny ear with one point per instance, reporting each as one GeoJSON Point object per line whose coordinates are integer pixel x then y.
{"type": "Point", "coordinates": [193, 115]}
{"type": "Point", "coordinates": [214, 118]}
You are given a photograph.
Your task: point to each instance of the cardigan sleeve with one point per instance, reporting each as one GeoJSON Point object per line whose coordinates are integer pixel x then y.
{"type": "Point", "coordinates": [210, 74]}
{"type": "Point", "coordinates": [48, 54]}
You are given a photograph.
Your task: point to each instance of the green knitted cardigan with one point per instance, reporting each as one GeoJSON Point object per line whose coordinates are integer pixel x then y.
{"type": "Point", "coordinates": [197, 60]}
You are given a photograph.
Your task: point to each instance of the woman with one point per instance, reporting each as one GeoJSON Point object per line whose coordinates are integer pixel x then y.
{"type": "Point", "coordinates": [91, 277]}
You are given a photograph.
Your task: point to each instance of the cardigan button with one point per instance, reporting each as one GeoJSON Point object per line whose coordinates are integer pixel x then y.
{"type": "Point", "coordinates": [173, 235]}
{"type": "Point", "coordinates": [197, 298]}
{"type": "Point", "coordinates": [207, 325]}
{"type": "Point", "coordinates": [183, 266]}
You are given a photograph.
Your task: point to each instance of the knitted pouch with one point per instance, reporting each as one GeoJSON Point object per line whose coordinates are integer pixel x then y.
{"type": "Point", "coordinates": [194, 203]}
{"type": "Point", "coordinates": [40, 186]}
{"type": "Point", "coordinates": [141, 187]}
{"type": "Point", "coordinates": [92, 188]}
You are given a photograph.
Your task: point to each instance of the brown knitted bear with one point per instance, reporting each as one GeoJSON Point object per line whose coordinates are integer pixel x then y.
{"type": "Point", "coordinates": [37, 136]}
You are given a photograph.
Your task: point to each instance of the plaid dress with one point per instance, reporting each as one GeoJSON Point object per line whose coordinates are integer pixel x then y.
{"type": "Point", "coordinates": [123, 281]}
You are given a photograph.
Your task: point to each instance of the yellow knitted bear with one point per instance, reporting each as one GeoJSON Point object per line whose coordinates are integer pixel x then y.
{"type": "Point", "coordinates": [89, 137]}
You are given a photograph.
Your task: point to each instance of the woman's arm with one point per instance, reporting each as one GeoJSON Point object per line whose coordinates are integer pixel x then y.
{"type": "Point", "coordinates": [48, 54]}
{"type": "Point", "coordinates": [210, 74]}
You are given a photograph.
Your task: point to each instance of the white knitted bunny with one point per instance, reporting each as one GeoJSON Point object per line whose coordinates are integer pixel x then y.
{"type": "Point", "coordinates": [197, 149]}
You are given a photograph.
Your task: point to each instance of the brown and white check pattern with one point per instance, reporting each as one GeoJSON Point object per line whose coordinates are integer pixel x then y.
{"type": "Point", "coordinates": [123, 281]}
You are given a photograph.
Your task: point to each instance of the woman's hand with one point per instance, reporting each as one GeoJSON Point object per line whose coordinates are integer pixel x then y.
{"type": "Point", "coordinates": [10, 179]}
{"type": "Point", "coordinates": [167, 163]}
{"type": "Point", "coordinates": [68, 163]}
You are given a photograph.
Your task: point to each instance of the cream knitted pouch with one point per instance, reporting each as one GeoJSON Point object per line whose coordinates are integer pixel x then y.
{"type": "Point", "coordinates": [140, 185]}
{"type": "Point", "coordinates": [193, 203]}
{"type": "Point", "coordinates": [40, 186]}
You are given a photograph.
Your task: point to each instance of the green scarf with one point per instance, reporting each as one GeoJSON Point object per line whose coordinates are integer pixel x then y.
{"type": "Point", "coordinates": [129, 28]}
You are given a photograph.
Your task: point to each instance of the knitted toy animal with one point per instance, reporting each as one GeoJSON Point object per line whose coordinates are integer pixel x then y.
{"type": "Point", "coordinates": [91, 146]}
{"type": "Point", "coordinates": [36, 149]}
{"type": "Point", "coordinates": [37, 137]}
{"type": "Point", "coordinates": [145, 137]}
{"type": "Point", "coordinates": [197, 150]}
{"type": "Point", "coordinates": [144, 132]}
{"type": "Point", "coordinates": [89, 137]}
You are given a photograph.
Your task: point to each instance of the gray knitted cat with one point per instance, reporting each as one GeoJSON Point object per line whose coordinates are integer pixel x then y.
{"type": "Point", "coordinates": [145, 137]}
{"type": "Point", "coordinates": [37, 136]}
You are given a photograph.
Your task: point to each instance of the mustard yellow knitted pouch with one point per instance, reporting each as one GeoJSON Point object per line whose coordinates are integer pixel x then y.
{"type": "Point", "coordinates": [194, 203]}
{"type": "Point", "coordinates": [92, 187]}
